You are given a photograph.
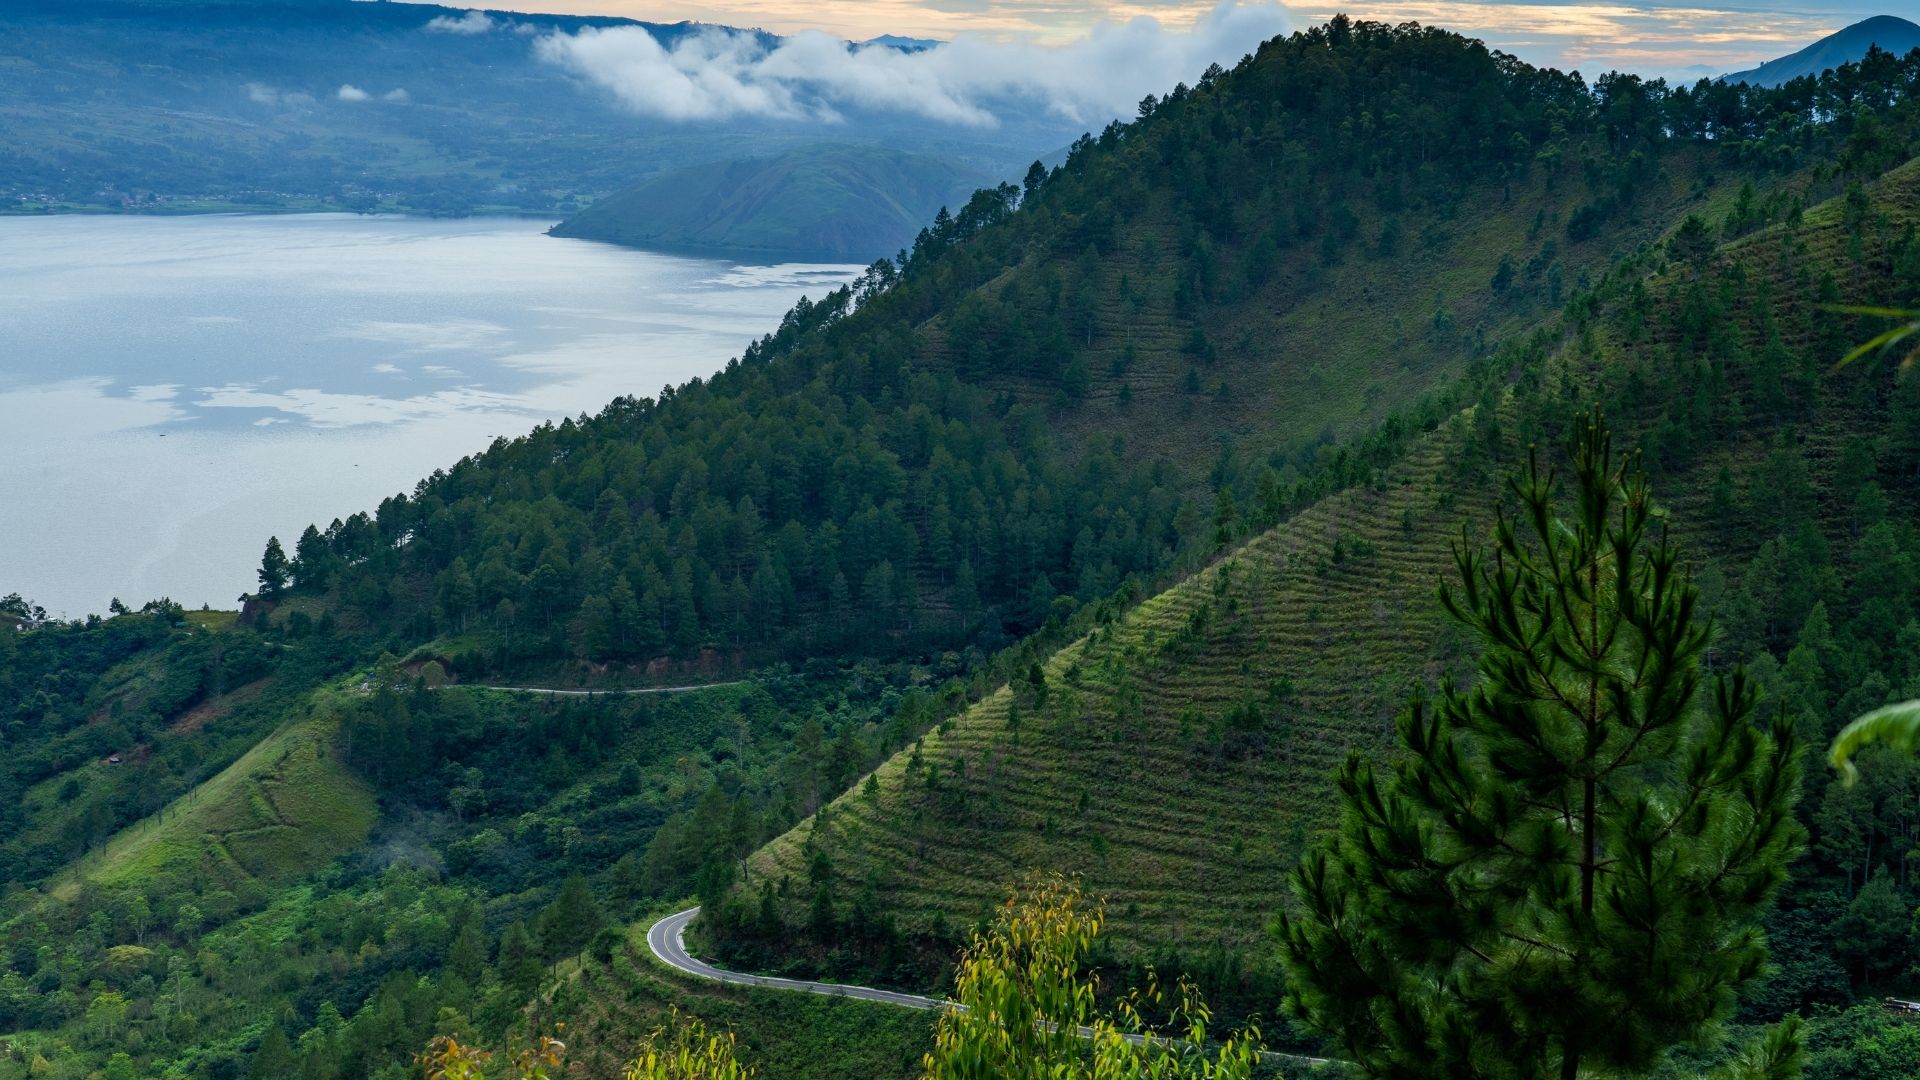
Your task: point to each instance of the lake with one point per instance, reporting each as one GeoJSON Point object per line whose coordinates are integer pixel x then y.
{"type": "Point", "coordinates": [175, 390]}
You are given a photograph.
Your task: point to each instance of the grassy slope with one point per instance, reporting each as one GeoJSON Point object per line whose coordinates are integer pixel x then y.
{"type": "Point", "coordinates": [1117, 781]}
{"type": "Point", "coordinates": [286, 807]}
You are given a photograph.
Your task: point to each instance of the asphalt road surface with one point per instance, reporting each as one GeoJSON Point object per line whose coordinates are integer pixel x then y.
{"type": "Point", "coordinates": [592, 693]}
{"type": "Point", "coordinates": [667, 940]}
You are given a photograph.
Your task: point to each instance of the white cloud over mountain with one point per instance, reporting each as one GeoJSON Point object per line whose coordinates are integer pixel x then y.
{"type": "Point", "coordinates": [720, 74]}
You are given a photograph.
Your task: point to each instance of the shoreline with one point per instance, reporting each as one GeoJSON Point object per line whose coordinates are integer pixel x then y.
{"type": "Point", "coordinates": [264, 210]}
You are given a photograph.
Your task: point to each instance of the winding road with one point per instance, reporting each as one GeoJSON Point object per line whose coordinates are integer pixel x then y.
{"type": "Point", "coordinates": [590, 693]}
{"type": "Point", "coordinates": [667, 939]}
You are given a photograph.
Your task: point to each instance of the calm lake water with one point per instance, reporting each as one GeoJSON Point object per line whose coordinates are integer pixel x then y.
{"type": "Point", "coordinates": [175, 390]}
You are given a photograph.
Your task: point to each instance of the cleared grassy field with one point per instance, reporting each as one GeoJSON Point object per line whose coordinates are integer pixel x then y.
{"type": "Point", "coordinates": [285, 807]}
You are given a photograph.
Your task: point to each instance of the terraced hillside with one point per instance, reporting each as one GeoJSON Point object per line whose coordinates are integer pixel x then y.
{"type": "Point", "coordinates": [1176, 759]}
{"type": "Point", "coordinates": [1179, 757]}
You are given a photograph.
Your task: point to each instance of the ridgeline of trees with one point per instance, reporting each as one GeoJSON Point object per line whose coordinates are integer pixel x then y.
{"type": "Point", "coordinates": [843, 486]}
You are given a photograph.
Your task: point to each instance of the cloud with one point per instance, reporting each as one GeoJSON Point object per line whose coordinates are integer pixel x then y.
{"type": "Point", "coordinates": [350, 92]}
{"type": "Point", "coordinates": [718, 74]}
{"type": "Point", "coordinates": [1682, 40]}
{"type": "Point", "coordinates": [322, 409]}
{"type": "Point", "coordinates": [473, 22]}
{"type": "Point", "coordinates": [451, 335]}
{"type": "Point", "coordinates": [262, 94]}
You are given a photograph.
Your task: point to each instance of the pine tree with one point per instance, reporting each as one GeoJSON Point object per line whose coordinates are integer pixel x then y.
{"type": "Point", "coordinates": [567, 924]}
{"type": "Point", "coordinates": [274, 1059]}
{"type": "Point", "coordinates": [275, 570]}
{"type": "Point", "coordinates": [467, 955]}
{"type": "Point", "coordinates": [1565, 871]}
{"type": "Point", "coordinates": [519, 968]}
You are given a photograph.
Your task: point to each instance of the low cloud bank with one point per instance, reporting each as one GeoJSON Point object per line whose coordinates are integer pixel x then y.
{"type": "Point", "coordinates": [720, 74]}
{"type": "Point", "coordinates": [473, 22]}
{"type": "Point", "coordinates": [350, 92]}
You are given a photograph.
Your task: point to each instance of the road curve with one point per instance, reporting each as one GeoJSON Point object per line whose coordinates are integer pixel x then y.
{"type": "Point", "coordinates": [667, 938]}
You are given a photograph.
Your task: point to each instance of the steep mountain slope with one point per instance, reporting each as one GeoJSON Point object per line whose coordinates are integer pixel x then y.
{"type": "Point", "coordinates": [1889, 33]}
{"type": "Point", "coordinates": [288, 807]}
{"type": "Point", "coordinates": [1176, 758]}
{"type": "Point", "coordinates": [1179, 756]}
{"type": "Point", "coordinates": [832, 203]}
{"type": "Point", "coordinates": [928, 459]}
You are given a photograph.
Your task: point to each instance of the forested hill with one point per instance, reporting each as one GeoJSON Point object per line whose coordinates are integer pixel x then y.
{"type": "Point", "coordinates": [1319, 304]}
{"type": "Point", "coordinates": [1067, 384]}
{"type": "Point", "coordinates": [1178, 758]}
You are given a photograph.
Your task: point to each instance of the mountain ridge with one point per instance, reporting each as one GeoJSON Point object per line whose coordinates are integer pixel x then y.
{"type": "Point", "coordinates": [1890, 33]}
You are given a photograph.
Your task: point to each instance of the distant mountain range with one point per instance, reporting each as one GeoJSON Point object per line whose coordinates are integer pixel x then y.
{"type": "Point", "coordinates": [1889, 32]}
{"type": "Point", "coordinates": [834, 202]}
{"type": "Point", "coordinates": [194, 105]}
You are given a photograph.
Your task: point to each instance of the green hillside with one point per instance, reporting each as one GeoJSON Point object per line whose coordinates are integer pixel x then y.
{"type": "Point", "coordinates": [1051, 393]}
{"type": "Point", "coordinates": [287, 807]}
{"type": "Point", "coordinates": [1178, 758]}
{"type": "Point", "coordinates": [1089, 537]}
{"type": "Point", "coordinates": [845, 203]}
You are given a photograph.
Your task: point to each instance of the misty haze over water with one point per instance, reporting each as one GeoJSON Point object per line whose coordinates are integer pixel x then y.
{"type": "Point", "coordinates": [175, 390]}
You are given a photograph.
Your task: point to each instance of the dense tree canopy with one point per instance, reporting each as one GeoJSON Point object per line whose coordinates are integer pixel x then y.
{"type": "Point", "coordinates": [887, 469]}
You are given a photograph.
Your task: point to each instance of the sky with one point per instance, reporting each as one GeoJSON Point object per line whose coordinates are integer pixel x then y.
{"type": "Point", "coordinates": [1674, 39]}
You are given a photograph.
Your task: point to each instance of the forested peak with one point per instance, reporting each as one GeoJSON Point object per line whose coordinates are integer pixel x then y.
{"type": "Point", "coordinates": [1080, 380]}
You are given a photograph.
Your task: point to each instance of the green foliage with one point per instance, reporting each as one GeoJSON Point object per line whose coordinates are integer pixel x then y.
{"type": "Point", "coordinates": [953, 407]}
{"type": "Point", "coordinates": [685, 1050]}
{"type": "Point", "coordinates": [1895, 726]}
{"type": "Point", "coordinates": [1862, 1043]}
{"type": "Point", "coordinates": [1568, 864]}
{"type": "Point", "coordinates": [1027, 1010]}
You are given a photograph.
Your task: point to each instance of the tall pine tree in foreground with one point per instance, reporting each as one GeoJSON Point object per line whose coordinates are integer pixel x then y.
{"type": "Point", "coordinates": [1564, 873]}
